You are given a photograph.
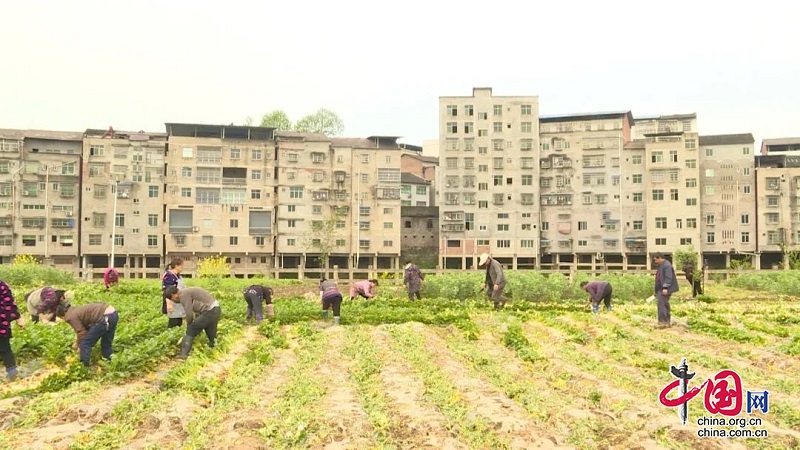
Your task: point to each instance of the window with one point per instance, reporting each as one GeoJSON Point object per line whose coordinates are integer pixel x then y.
{"type": "Point", "coordinates": [661, 241]}
{"type": "Point", "coordinates": [119, 240]}
{"type": "Point", "coordinates": [661, 222]}
{"type": "Point", "coordinates": [691, 202]}
{"type": "Point", "coordinates": [711, 190]}
{"type": "Point", "coordinates": [497, 127]}
{"type": "Point", "coordinates": [691, 223]}
{"type": "Point", "coordinates": [290, 242]}
{"type": "Point", "coordinates": [291, 223]}
{"type": "Point", "coordinates": [691, 163]}
{"type": "Point", "coordinates": [526, 110]}
{"type": "Point", "coordinates": [152, 240]}
{"type": "Point", "coordinates": [773, 200]}
{"type": "Point", "coordinates": [208, 241]}
{"type": "Point", "coordinates": [233, 240]}
{"type": "Point", "coordinates": [483, 116]}
{"type": "Point", "coordinates": [710, 219]}
{"type": "Point", "coordinates": [745, 237]}
{"type": "Point", "coordinates": [469, 110]}
{"type": "Point", "coordinates": [255, 155]}
{"type": "Point", "coordinates": [636, 159]}
{"type": "Point", "coordinates": [637, 178]}
{"type": "Point", "coordinates": [452, 110]}
{"type": "Point", "coordinates": [710, 237]}
{"type": "Point", "coordinates": [583, 226]}
{"type": "Point", "coordinates": [527, 180]}
{"type": "Point", "coordinates": [526, 127]}
{"type": "Point", "coordinates": [638, 225]}
{"type": "Point", "coordinates": [526, 144]}
{"type": "Point", "coordinates": [772, 218]}
{"type": "Point", "coordinates": [186, 192]}
{"type": "Point", "coordinates": [119, 220]}
{"type": "Point", "coordinates": [638, 197]}
{"type": "Point", "coordinates": [709, 152]}
{"type": "Point", "coordinates": [709, 173]}
{"type": "Point", "coordinates": [657, 157]}
{"type": "Point", "coordinates": [452, 127]}
{"type": "Point", "coordinates": [691, 182]}
{"type": "Point", "coordinates": [745, 219]}
{"type": "Point", "coordinates": [468, 127]}
{"type": "Point", "coordinates": [152, 191]}
{"type": "Point", "coordinates": [255, 175]}
{"type": "Point", "coordinates": [657, 176]}
{"type": "Point", "coordinates": [255, 194]}
{"type": "Point", "coordinates": [679, 223]}
{"type": "Point", "coordinates": [497, 110]}
{"type": "Point", "coordinates": [746, 171]}
{"type": "Point", "coordinates": [296, 192]}
{"type": "Point", "coordinates": [95, 239]}
{"type": "Point", "coordinates": [502, 227]}
{"type": "Point", "coordinates": [234, 223]}
{"type": "Point", "coordinates": [673, 194]}
{"type": "Point", "coordinates": [673, 156]}
{"type": "Point", "coordinates": [658, 194]}
{"type": "Point", "coordinates": [690, 144]}
{"type": "Point", "coordinates": [746, 189]}
{"type": "Point", "coordinates": [152, 220]}
{"type": "Point", "coordinates": [503, 243]}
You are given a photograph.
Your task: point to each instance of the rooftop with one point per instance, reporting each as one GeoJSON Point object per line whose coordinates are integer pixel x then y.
{"type": "Point", "coordinates": [425, 159]}
{"type": "Point", "coordinates": [384, 142]}
{"type": "Point", "coordinates": [48, 135]}
{"type": "Point", "coordinates": [587, 116]}
{"type": "Point", "coordinates": [410, 178]}
{"type": "Point", "coordinates": [306, 137]}
{"type": "Point", "coordinates": [638, 144]}
{"type": "Point", "coordinates": [111, 133]}
{"type": "Point", "coordinates": [220, 131]}
{"type": "Point", "coordinates": [669, 117]}
{"type": "Point", "coordinates": [420, 211]}
{"type": "Point", "coordinates": [727, 139]}
{"type": "Point", "coordinates": [782, 141]}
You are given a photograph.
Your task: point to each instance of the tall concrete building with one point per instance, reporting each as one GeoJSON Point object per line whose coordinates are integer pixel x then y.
{"type": "Point", "coordinates": [340, 197]}
{"type": "Point", "coordinates": [122, 205]}
{"type": "Point", "coordinates": [40, 195]}
{"type": "Point", "coordinates": [777, 192]}
{"type": "Point", "coordinates": [670, 171]}
{"type": "Point", "coordinates": [790, 146]}
{"type": "Point", "coordinates": [728, 201]}
{"type": "Point", "coordinates": [219, 195]}
{"type": "Point", "coordinates": [581, 184]}
{"type": "Point", "coordinates": [489, 147]}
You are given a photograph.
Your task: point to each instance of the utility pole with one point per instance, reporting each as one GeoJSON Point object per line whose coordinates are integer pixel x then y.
{"type": "Point", "coordinates": [114, 224]}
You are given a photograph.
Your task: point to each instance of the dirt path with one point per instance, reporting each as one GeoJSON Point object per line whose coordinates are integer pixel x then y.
{"type": "Point", "coordinates": [342, 408]}
{"type": "Point", "coordinates": [219, 368]}
{"type": "Point", "coordinates": [238, 429]}
{"type": "Point", "coordinates": [424, 426]}
{"type": "Point", "coordinates": [506, 417]}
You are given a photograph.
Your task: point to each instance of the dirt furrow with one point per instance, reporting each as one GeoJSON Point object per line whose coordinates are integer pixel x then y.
{"type": "Point", "coordinates": [425, 427]}
{"type": "Point", "coordinates": [507, 417]}
{"type": "Point", "coordinates": [343, 411]}
{"type": "Point", "coordinates": [218, 368]}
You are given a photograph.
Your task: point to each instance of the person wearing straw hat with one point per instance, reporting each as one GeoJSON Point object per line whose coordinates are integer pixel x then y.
{"type": "Point", "coordinates": [495, 280]}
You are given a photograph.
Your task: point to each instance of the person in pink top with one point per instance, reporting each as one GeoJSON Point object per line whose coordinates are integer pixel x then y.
{"type": "Point", "coordinates": [364, 288]}
{"type": "Point", "coordinates": [110, 277]}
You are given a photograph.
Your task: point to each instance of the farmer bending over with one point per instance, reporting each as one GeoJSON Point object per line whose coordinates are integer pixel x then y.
{"type": "Point", "coordinates": [92, 322]}
{"type": "Point", "coordinates": [331, 298]}
{"type": "Point", "coordinates": [200, 303]}
{"type": "Point", "coordinates": [598, 290]}
{"type": "Point", "coordinates": [364, 288]}
{"type": "Point", "coordinates": [495, 280]}
{"type": "Point", "coordinates": [254, 296]}
{"type": "Point", "coordinates": [42, 303]}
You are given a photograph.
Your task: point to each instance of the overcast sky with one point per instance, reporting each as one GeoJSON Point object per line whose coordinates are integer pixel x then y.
{"type": "Point", "coordinates": [381, 66]}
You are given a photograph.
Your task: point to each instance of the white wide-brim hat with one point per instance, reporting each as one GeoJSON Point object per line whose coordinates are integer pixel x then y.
{"type": "Point", "coordinates": [483, 258]}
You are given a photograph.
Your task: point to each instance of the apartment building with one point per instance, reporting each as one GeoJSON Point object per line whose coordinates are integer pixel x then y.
{"type": "Point", "coordinates": [581, 188]}
{"type": "Point", "coordinates": [487, 202]}
{"type": "Point", "coordinates": [219, 196]}
{"type": "Point", "coordinates": [340, 197]}
{"type": "Point", "coordinates": [777, 192]}
{"type": "Point", "coordinates": [728, 201]}
{"type": "Point", "coordinates": [122, 205]}
{"type": "Point", "coordinates": [670, 171]}
{"type": "Point", "coordinates": [415, 191]}
{"type": "Point", "coordinates": [40, 185]}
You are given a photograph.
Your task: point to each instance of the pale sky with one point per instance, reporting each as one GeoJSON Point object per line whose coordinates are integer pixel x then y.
{"type": "Point", "coordinates": [381, 66]}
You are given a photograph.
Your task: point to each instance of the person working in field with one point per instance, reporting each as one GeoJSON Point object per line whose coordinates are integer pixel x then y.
{"type": "Point", "coordinates": [666, 284]}
{"type": "Point", "coordinates": [412, 278]}
{"type": "Point", "coordinates": [495, 280]}
{"type": "Point", "coordinates": [364, 288]}
{"type": "Point", "coordinates": [92, 322]}
{"type": "Point", "coordinates": [694, 281]}
{"type": "Point", "coordinates": [255, 295]}
{"type": "Point", "coordinates": [202, 314]}
{"type": "Point", "coordinates": [42, 303]}
{"type": "Point", "coordinates": [331, 299]}
{"type": "Point", "coordinates": [8, 313]}
{"type": "Point", "coordinates": [110, 277]}
{"type": "Point", "coordinates": [172, 277]}
{"type": "Point", "coordinates": [598, 290]}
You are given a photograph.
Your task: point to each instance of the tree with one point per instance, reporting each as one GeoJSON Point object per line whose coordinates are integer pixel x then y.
{"type": "Point", "coordinates": [248, 121]}
{"type": "Point", "coordinates": [322, 238]}
{"type": "Point", "coordinates": [680, 257]}
{"type": "Point", "coordinates": [277, 119]}
{"type": "Point", "coordinates": [323, 121]}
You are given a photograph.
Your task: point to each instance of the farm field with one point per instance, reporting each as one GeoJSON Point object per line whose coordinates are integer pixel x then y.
{"type": "Point", "coordinates": [444, 373]}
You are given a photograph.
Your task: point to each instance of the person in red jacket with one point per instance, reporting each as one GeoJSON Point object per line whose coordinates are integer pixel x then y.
{"type": "Point", "coordinates": [8, 313]}
{"type": "Point", "coordinates": [110, 277]}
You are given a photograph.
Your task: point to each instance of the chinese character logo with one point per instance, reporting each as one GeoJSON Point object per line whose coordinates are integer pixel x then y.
{"type": "Point", "coordinates": [723, 393]}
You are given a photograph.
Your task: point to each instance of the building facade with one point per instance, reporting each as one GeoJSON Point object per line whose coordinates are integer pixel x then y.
{"type": "Point", "coordinates": [420, 235]}
{"type": "Point", "coordinates": [489, 146]}
{"type": "Point", "coordinates": [122, 204]}
{"type": "Point", "coordinates": [40, 185]}
{"type": "Point", "coordinates": [728, 201]}
{"type": "Point", "coordinates": [219, 195]}
{"type": "Point", "coordinates": [777, 192]}
{"type": "Point", "coordinates": [581, 187]}
{"type": "Point", "coordinates": [415, 191]}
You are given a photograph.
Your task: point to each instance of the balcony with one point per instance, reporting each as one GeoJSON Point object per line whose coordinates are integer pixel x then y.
{"type": "Point", "coordinates": [260, 231]}
{"type": "Point", "coordinates": [234, 181]}
{"type": "Point", "coordinates": [6, 221]}
{"type": "Point", "coordinates": [341, 210]}
{"type": "Point", "coordinates": [181, 229]}
{"type": "Point", "coordinates": [388, 194]}
{"type": "Point", "coordinates": [321, 196]}
{"type": "Point", "coordinates": [453, 227]}
{"type": "Point", "coordinates": [207, 179]}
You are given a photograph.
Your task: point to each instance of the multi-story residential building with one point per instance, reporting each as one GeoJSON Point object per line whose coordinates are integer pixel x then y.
{"type": "Point", "coordinates": [425, 167]}
{"type": "Point", "coordinates": [671, 175]}
{"type": "Point", "coordinates": [777, 191]}
{"type": "Point", "coordinates": [581, 187]}
{"type": "Point", "coordinates": [40, 185]}
{"type": "Point", "coordinates": [780, 146]}
{"type": "Point", "coordinates": [415, 191]}
{"type": "Point", "coordinates": [219, 196]}
{"type": "Point", "coordinates": [338, 197]}
{"type": "Point", "coordinates": [420, 235]}
{"type": "Point", "coordinates": [727, 197]}
{"type": "Point", "coordinates": [634, 211]}
{"type": "Point", "coordinates": [122, 200]}
{"type": "Point", "coordinates": [489, 146]}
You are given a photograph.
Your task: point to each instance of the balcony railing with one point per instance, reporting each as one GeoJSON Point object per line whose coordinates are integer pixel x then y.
{"type": "Point", "coordinates": [255, 231]}
{"type": "Point", "coordinates": [234, 181]}
{"type": "Point", "coordinates": [180, 229]}
{"type": "Point", "coordinates": [205, 179]}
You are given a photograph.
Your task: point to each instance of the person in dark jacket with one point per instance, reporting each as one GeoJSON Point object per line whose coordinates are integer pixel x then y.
{"type": "Point", "coordinates": [331, 298]}
{"type": "Point", "coordinates": [688, 271]}
{"type": "Point", "coordinates": [254, 295]}
{"type": "Point", "coordinates": [172, 277]}
{"type": "Point", "coordinates": [666, 284]}
{"type": "Point", "coordinates": [598, 290]}
{"type": "Point", "coordinates": [495, 280]}
{"type": "Point", "coordinates": [412, 278]}
{"type": "Point", "coordinates": [8, 313]}
{"type": "Point", "coordinates": [92, 322]}
{"type": "Point", "coordinates": [202, 314]}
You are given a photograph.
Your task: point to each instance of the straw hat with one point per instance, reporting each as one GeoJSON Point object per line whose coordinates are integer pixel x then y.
{"type": "Point", "coordinates": [483, 258]}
